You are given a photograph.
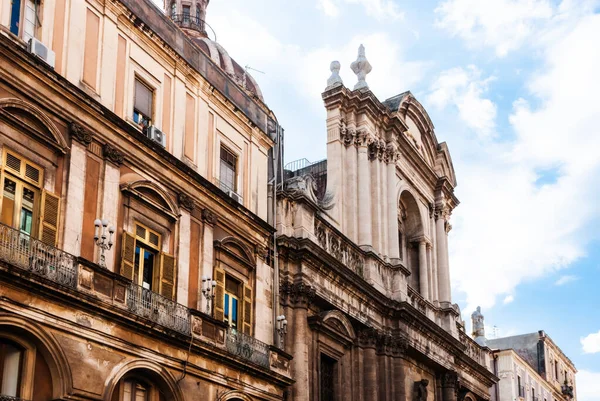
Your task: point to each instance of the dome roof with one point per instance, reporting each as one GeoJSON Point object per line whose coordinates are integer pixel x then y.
{"type": "Point", "coordinates": [220, 57]}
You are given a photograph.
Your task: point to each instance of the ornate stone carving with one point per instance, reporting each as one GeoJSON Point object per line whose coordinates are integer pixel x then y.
{"type": "Point", "coordinates": [299, 294]}
{"type": "Point", "coordinates": [80, 134]}
{"type": "Point", "coordinates": [362, 138]}
{"type": "Point", "coordinates": [209, 217]}
{"type": "Point", "coordinates": [420, 393]}
{"type": "Point", "coordinates": [111, 154]}
{"type": "Point", "coordinates": [334, 79]}
{"type": "Point", "coordinates": [338, 247]}
{"type": "Point", "coordinates": [450, 380]}
{"type": "Point", "coordinates": [186, 201]}
{"type": "Point", "coordinates": [361, 67]}
{"type": "Point", "coordinates": [347, 134]}
{"type": "Point", "coordinates": [376, 149]}
{"type": "Point", "coordinates": [305, 185]}
{"type": "Point", "coordinates": [368, 337]}
{"type": "Point", "coordinates": [262, 252]}
{"type": "Point", "coordinates": [391, 154]}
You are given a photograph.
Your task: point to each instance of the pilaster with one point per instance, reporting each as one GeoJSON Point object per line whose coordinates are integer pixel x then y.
{"type": "Point", "coordinates": [365, 233]}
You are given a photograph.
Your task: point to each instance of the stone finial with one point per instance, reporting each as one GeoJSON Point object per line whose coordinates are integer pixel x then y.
{"type": "Point", "coordinates": [334, 79]}
{"type": "Point", "coordinates": [478, 327]}
{"type": "Point", "coordinates": [361, 68]}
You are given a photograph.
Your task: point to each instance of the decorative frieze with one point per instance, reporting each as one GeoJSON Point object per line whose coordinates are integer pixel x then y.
{"type": "Point", "coordinates": [80, 134]}
{"type": "Point", "coordinates": [339, 247]}
{"type": "Point", "coordinates": [186, 201]}
{"type": "Point", "coordinates": [112, 155]}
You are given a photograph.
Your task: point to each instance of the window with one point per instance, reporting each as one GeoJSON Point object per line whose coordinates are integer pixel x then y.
{"type": "Point", "coordinates": [327, 378]}
{"type": "Point", "coordinates": [186, 14]}
{"type": "Point", "coordinates": [198, 17]}
{"type": "Point", "coordinates": [228, 178]}
{"type": "Point", "coordinates": [134, 390]}
{"type": "Point", "coordinates": [21, 196]}
{"type": "Point", "coordinates": [24, 18]}
{"type": "Point", "coordinates": [521, 388]}
{"type": "Point", "coordinates": [11, 363]}
{"type": "Point", "coordinates": [143, 104]}
{"type": "Point", "coordinates": [533, 394]}
{"type": "Point", "coordinates": [173, 10]}
{"type": "Point", "coordinates": [231, 301]}
{"type": "Point", "coordinates": [144, 263]}
{"type": "Point", "coordinates": [556, 370]}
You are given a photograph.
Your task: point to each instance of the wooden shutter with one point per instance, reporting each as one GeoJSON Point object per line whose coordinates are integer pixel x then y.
{"type": "Point", "coordinates": [128, 255]}
{"type": "Point", "coordinates": [219, 294]}
{"type": "Point", "coordinates": [247, 312]}
{"type": "Point", "coordinates": [49, 218]}
{"type": "Point", "coordinates": [143, 98]}
{"type": "Point", "coordinates": [167, 275]}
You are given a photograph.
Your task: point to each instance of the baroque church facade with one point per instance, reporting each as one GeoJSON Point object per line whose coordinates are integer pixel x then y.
{"type": "Point", "coordinates": [363, 245]}
{"type": "Point", "coordinates": [147, 252]}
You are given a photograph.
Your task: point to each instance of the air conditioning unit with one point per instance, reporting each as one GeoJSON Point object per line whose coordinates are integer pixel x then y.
{"type": "Point", "coordinates": [237, 197]}
{"type": "Point", "coordinates": [156, 135]}
{"type": "Point", "coordinates": [42, 51]}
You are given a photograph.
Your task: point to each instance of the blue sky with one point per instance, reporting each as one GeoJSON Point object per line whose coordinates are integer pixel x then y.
{"type": "Point", "coordinates": [512, 86]}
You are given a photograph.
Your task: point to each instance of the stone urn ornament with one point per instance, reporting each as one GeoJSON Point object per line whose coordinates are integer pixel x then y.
{"type": "Point", "coordinates": [361, 67]}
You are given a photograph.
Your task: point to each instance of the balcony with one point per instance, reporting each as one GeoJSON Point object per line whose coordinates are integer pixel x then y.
{"type": "Point", "coordinates": [82, 277]}
{"type": "Point", "coordinates": [248, 348]}
{"type": "Point", "coordinates": [34, 256]}
{"type": "Point", "coordinates": [158, 309]}
{"type": "Point", "coordinates": [194, 23]}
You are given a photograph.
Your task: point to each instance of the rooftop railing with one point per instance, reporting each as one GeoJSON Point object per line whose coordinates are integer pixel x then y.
{"type": "Point", "coordinates": [30, 254]}
{"type": "Point", "coordinates": [161, 310]}
{"type": "Point", "coordinates": [247, 347]}
{"type": "Point", "coordinates": [192, 22]}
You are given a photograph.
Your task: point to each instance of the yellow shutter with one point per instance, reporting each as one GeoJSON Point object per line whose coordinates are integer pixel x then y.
{"type": "Point", "coordinates": [167, 275]}
{"type": "Point", "coordinates": [219, 312]}
{"type": "Point", "coordinates": [128, 255]}
{"type": "Point", "coordinates": [247, 312]}
{"type": "Point", "coordinates": [49, 218]}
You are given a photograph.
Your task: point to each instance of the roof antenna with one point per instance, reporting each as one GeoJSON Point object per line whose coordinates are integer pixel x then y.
{"type": "Point", "coordinates": [246, 68]}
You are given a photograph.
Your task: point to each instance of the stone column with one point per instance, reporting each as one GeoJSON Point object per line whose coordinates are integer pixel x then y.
{"type": "Point", "coordinates": [183, 258]}
{"type": "Point", "coordinates": [431, 273]}
{"type": "Point", "coordinates": [449, 386]}
{"type": "Point", "coordinates": [434, 263]}
{"type": "Point", "coordinates": [209, 219]}
{"type": "Point", "coordinates": [368, 340]}
{"type": "Point", "coordinates": [300, 297]}
{"type": "Point", "coordinates": [349, 209]}
{"type": "Point", "coordinates": [375, 196]}
{"type": "Point", "coordinates": [442, 255]}
{"type": "Point", "coordinates": [391, 156]}
{"type": "Point", "coordinates": [399, 387]}
{"type": "Point", "coordinates": [423, 279]}
{"type": "Point", "coordinates": [365, 236]}
{"type": "Point", "coordinates": [110, 196]}
{"type": "Point", "coordinates": [75, 193]}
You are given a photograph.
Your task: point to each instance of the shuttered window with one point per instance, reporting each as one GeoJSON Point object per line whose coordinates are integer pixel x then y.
{"type": "Point", "coordinates": [228, 176]}
{"type": "Point", "coordinates": [233, 302]}
{"type": "Point", "coordinates": [24, 205]}
{"type": "Point", "coordinates": [143, 104]}
{"type": "Point", "coordinates": [144, 263]}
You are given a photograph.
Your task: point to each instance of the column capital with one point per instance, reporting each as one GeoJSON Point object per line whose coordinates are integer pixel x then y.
{"type": "Point", "coordinates": [391, 153]}
{"type": "Point", "coordinates": [347, 135]}
{"type": "Point", "coordinates": [363, 139]}
{"type": "Point", "coordinates": [186, 201]}
{"type": "Point", "coordinates": [80, 134]}
{"type": "Point", "coordinates": [300, 294]}
{"type": "Point", "coordinates": [450, 380]}
{"type": "Point", "coordinates": [209, 217]}
{"type": "Point", "coordinates": [368, 338]}
{"type": "Point", "coordinates": [376, 149]}
{"type": "Point", "coordinates": [112, 155]}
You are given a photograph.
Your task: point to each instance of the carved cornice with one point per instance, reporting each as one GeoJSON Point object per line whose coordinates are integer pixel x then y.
{"type": "Point", "coordinates": [209, 217]}
{"type": "Point", "coordinates": [80, 134]}
{"type": "Point", "coordinates": [112, 155]}
{"type": "Point", "coordinates": [186, 202]}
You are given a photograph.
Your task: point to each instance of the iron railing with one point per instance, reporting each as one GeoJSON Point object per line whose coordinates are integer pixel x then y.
{"type": "Point", "coordinates": [4, 397]}
{"type": "Point", "coordinates": [247, 347]}
{"type": "Point", "coordinates": [161, 310]}
{"type": "Point", "coordinates": [229, 191]}
{"type": "Point", "coordinates": [193, 22]}
{"type": "Point", "coordinates": [33, 255]}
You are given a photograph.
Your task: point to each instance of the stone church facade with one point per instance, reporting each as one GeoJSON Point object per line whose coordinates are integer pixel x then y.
{"type": "Point", "coordinates": [362, 239]}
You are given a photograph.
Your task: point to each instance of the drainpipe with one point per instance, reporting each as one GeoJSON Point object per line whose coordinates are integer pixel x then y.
{"type": "Point", "coordinates": [277, 169]}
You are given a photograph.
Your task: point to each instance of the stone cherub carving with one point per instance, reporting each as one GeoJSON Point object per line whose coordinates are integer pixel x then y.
{"type": "Point", "coordinates": [421, 390]}
{"type": "Point", "coordinates": [361, 67]}
{"type": "Point", "coordinates": [334, 79]}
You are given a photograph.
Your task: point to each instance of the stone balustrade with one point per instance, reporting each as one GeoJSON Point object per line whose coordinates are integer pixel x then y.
{"type": "Point", "coordinates": [340, 247]}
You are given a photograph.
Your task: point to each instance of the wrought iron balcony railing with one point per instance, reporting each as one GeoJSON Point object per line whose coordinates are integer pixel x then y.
{"type": "Point", "coordinates": [33, 255]}
{"type": "Point", "coordinates": [161, 310]}
{"type": "Point", "coordinates": [229, 191]}
{"type": "Point", "coordinates": [247, 347]}
{"type": "Point", "coordinates": [192, 22]}
{"type": "Point", "coordinates": [4, 397]}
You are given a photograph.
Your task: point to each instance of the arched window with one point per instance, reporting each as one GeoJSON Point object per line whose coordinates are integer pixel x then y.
{"type": "Point", "coordinates": [410, 236]}
{"type": "Point", "coordinates": [11, 368]}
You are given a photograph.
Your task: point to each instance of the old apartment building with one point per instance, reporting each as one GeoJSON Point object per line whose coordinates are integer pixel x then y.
{"type": "Point", "coordinates": [362, 242]}
{"type": "Point", "coordinates": [112, 110]}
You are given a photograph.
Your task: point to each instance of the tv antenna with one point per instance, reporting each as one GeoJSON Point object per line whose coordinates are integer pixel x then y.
{"type": "Point", "coordinates": [246, 68]}
{"type": "Point", "coordinates": [495, 331]}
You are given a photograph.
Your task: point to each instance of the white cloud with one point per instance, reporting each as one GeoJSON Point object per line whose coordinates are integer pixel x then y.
{"type": "Point", "coordinates": [465, 88]}
{"type": "Point", "coordinates": [588, 385]}
{"type": "Point", "coordinates": [591, 343]}
{"type": "Point", "coordinates": [508, 299]}
{"type": "Point", "coordinates": [565, 280]}
{"type": "Point", "coordinates": [506, 25]}
{"type": "Point", "coordinates": [378, 9]}
{"type": "Point", "coordinates": [509, 229]}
